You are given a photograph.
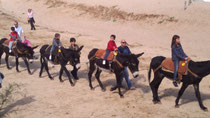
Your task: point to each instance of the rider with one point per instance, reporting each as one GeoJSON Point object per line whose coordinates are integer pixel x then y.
{"type": "Point", "coordinates": [14, 37]}
{"type": "Point", "coordinates": [177, 55]}
{"type": "Point", "coordinates": [56, 43]}
{"type": "Point", "coordinates": [18, 29]}
{"type": "Point", "coordinates": [75, 47]}
{"type": "Point", "coordinates": [111, 46]}
{"type": "Point", "coordinates": [124, 49]}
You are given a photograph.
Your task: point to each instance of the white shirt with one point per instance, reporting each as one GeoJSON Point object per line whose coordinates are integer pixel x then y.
{"type": "Point", "coordinates": [19, 30]}
{"type": "Point", "coordinates": [30, 15]}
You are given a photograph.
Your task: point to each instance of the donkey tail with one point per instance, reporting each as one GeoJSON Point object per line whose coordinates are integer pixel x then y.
{"type": "Point", "coordinates": [149, 73]}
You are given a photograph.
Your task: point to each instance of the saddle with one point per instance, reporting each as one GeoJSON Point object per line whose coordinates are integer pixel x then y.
{"type": "Point", "coordinates": [55, 54]}
{"type": "Point", "coordinates": [6, 43]}
{"type": "Point", "coordinates": [168, 64]}
{"type": "Point", "coordinates": [101, 53]}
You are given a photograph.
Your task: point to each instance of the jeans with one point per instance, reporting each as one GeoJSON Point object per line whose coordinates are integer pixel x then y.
{"type": "Point", "coordinates": [10, 45]}
{"type": "Point", "coordinates": [52, 49]}
{"type": "Point", "coordinates": [176, 67]}
{"type": "Point", "coordinates": [126, 76]}
{"type": "Point", "coordinates": [31, 21]}
{"type": "Point", "coordinates": [107, 54]}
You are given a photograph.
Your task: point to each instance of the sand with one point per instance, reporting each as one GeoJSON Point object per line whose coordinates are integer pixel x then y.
{"type": "Point", "coordinates": [146, 25]}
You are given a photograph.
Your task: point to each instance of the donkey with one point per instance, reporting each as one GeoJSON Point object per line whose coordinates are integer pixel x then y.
{"type": "Point", "coordinates": [116, 66]}
{"type": "Point", "coordinates": [198, 70]}
{"type": "Point", "coordinates": [1, 78]}
{"type": "Point", "coordinates": [64, 56]}
{"type": "Point", "coordinates": [20, 50]}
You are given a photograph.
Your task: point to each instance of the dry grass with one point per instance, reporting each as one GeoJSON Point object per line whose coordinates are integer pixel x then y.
{"type": "Point", "coordinates": [110, 13]}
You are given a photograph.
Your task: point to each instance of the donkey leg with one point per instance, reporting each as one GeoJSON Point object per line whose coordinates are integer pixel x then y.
{"type": "Point", "coordinates": [6, 60]}
{"type": "Point", "coordinates": [91, 70]}
{"type": "Point", "coordinates": [198, 96]}
{"type": "Point", "coordinates": [60, 75]}
{"type": "Point", "coordinates": [46, 68]}
{"type": "Point", "coordinates": [119, 85]}
{"type": "Point", "coordinates": [17, 64]}
{"type": "Point", "coordinates": [27, 65]}
{"type": "Point", "coordinates": [42, 66]}
{"type": "Point", "coordinates": [181, 91]}
{"type": "Point", "coordinates": [97, 75]}
{"type": "Point", "coordinates": [67, 73]}
{"type": "Point", "coordinates": [154, 86]}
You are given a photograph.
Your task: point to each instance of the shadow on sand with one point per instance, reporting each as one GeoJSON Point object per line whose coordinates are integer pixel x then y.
{"type": "Point", "coordinates": [187, 97]}
{"type": "Point", "coordinates": [21, 102]}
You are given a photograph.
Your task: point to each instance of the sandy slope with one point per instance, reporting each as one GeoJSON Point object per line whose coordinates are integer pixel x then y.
{"type": "Point", "coordinates": [46, 98]}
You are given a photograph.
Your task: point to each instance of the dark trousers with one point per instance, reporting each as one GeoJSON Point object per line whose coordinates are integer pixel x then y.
{"type": "Point", "coordinates": [74, 71]}
{"type": "Point", "coordinates": [31, 21]}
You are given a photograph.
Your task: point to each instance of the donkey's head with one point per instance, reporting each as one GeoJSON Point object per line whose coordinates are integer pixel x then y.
{"type": "Point", "coordinates": [30, 53]}
{"type": "Point", "coordinates": [26, 50]}
{"type": "Point", "coordinates": [75, 57]}
{"type": "Point", "coordinates": [133, 63]}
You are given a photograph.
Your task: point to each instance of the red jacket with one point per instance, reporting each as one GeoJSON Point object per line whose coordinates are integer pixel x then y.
{"type": "Point", "coordinates": [111, 45]}
{"type": "Point", "coordinates": [13, 34]}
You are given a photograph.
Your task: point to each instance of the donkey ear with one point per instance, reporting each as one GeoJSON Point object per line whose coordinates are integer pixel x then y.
{"type": "Point", "coordinates": [80, 48]}
{"type": "Point", "coordinates": [138, 55]}
{"type": "Point", "coordinates": [34, 47]}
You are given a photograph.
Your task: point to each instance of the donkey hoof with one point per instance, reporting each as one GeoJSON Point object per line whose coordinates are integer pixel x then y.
{"type": "Point", "coordinates": [177, 106]}
{"type": "Point", "coordinates": [61, 81]}
{"type": "Point", "coordinates": [121, 96]}
{"type": "Point", "coordinates": [156, 101]}
{"type": "Point", "coordinates": [51, 78]}
{"type": "Point", "coordinates": [204, 109]}
{"type": "Point", "coordinates": [72, 84]}
{"type": "Point", "coordinates": [103, 90]}
{"type": "Point", "coordinates": [91, 88]}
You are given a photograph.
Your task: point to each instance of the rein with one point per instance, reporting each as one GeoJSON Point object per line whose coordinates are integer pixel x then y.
{"type": "Point", "coordinates": [115, 60]}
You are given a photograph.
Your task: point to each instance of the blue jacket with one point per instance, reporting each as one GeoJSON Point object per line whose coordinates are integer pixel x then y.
{"type": "Point", "coordinates": [178, 53]}
{"type": "Point", "coordinates": [124, 50]}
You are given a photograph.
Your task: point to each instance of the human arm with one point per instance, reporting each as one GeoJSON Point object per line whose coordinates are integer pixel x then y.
{"type": "Point", "coordinates": [129, 52]}
{"type": "Point", "coordinates": [178, 53]}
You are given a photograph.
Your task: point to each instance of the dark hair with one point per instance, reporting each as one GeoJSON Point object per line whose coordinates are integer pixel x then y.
{"type": "Point", "coordinates": [57, 34]}
{"type": "Point", "coordinates": [72, 39]}
{"type": "Point", "coordinates": [113, 36]}
{"type": "Point", "coordinates": [174, 39]}
{"type": "Point", "coordinates": [13, 28]}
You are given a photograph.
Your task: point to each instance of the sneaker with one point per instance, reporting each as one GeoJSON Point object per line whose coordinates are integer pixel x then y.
{"type": "Point", "coordinates": [10, 51]}
{"type": "Point", "coordinates": [50, 57]}
{"type": "Point", "coordinates": [175, 84]}
{"type": "Point", "coordinates": [132, 88]}
{"type": "Point", "coordinates": [104, 62]}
